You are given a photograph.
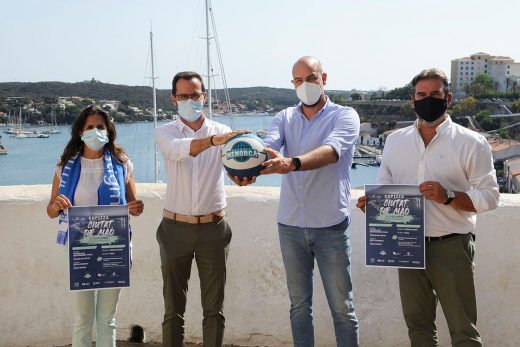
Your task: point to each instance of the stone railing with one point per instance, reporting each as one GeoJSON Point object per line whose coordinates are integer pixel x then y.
{"type": "Point", "coordinates": [35, 309]}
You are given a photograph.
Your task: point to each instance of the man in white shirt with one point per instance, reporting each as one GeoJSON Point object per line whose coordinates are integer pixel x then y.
{"type": "Point", "coordinates": [453, 167]}
{"type": "Point", "coordinates": [194, 221]}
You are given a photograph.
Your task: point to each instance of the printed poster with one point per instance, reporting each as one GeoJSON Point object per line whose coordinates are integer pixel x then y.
{"type": "Point", "coordinates": [99, 247]}
{"type": "Point", "coordinates": [394, 226]}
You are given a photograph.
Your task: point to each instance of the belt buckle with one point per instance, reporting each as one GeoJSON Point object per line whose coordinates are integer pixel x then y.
{"type": "Point", "coordinates": [201, 219]}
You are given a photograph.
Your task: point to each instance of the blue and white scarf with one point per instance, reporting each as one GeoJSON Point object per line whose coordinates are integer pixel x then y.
{"type": "Point", "coordinates": [111, 191]}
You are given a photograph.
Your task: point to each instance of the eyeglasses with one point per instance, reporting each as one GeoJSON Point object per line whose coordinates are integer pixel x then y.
{"type": "Point", "coordinates": [185, 97]}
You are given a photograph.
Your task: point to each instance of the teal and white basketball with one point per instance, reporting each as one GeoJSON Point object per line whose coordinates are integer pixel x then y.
{"type": "Point", "coordinates": [243, 155]}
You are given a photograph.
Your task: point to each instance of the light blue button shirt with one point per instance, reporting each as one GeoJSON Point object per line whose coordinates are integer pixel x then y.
{"type": "Point", "coordinates": [315, 198]}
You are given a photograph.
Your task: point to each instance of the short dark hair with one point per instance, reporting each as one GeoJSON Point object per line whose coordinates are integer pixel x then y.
{"type": "Point", "coordinates": [186, 75]}
{"type": "Point", "coordinates": [432, 74]}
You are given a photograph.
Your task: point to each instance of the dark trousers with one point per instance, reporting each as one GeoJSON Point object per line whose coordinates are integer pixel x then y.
{"type": "Point", "coordinates": [448, 278]}
{"type": "Point", "coordinates": [209, 244]}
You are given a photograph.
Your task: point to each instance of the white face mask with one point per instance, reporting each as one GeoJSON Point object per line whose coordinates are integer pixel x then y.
{"type": "Point", "coordinates": [190, 110]}
{"type": "Point", "coordinates": [309, 93]}
{"type": "Point", "coordinates": [95, 139]}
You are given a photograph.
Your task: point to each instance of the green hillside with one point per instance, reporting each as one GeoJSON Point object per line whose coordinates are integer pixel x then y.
{"type": "Point", "coordinates": [255, 98]}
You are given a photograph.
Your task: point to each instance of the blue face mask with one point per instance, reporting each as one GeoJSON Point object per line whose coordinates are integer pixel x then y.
{"type": "Point", "coordinates": [190, 110]}
{"type": "Point", "coordinates": [95, 139]}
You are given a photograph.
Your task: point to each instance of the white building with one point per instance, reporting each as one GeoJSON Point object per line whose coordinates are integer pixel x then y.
{"type": "Point", "coordinates": [366, 127]}
{"type": "Point", "coordinates": [512, 173]}
{"type": "Point", "coordinates": [502, 70]}
{"type": "Point", "coordinates": [114, 103]}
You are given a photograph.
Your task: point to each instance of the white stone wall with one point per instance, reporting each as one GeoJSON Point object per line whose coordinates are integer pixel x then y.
{"type": "Point", "coordinates": [35, 307]}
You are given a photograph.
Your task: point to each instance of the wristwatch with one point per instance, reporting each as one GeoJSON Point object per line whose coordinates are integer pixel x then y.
{"type": "Point", "coordinates": [297, 163]}
{"type": "Point", "coordinates": [451, 195]}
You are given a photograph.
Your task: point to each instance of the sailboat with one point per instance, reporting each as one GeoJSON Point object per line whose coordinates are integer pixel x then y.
{"type": "Point", "coordinates": [262, 132]}
{"type": "Point", "coordinates": [17, 127]}
{"type": "Point", "coordinates": [208, 38]}
{"type": "Point", "coordinates": [209, 84]}
{"type": "Point", "coordinates": [3, 150]}
{"type": "Point", "coordinates": [18, 132]}
{"type": "Point", "coordinates": [54, 124]}
{"type": "Point", "coordinates": [154, 97]}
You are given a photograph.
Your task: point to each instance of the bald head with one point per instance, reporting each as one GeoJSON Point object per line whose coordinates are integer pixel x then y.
{"type": "Point", "coordinates": [309, 80]}
{"type": "Point", "coordinates": [308, 62]}
{"type": "Point", "coordinates": [308, 69]}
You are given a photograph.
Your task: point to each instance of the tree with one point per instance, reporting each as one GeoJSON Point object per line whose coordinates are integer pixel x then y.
{"type": "Point", "coordinates": [119, 118]}
{"type": "Point", "coordinates": [73, 110]}
{"type": "Point", "coordinates": [484, 79]}
{"type": "Point", "coordinates": [495, 86]}
{"type": "Point", "coordinates": [465, 107]}
{"type": "Point", "coordinates": [381, 91]}
{"type": "Point", "coordinates": [338, 99]}
{"type": "Point", "coordinates": [355, 96]}
{"type": "Point", "coordinates": [86, 102]}
{"type": "Point", "coordinates": [489, 124]}
{"type": "Point", "coordinates": [407, 110]}
{"type": "Point", "coordinates": [515, 107]}
{"type": "Point", "coordinates": [482, 115]}
{"type": "Point", "coordinates": [508, 83]}
{"type": "Point", "coordinates": [402, 93]}
{"type": "Point", "coordinates": [467, 89]}
{"type": "Point", "coordinates": [503, 133]}
{"type": "Point", "coordinates": [483, 84]}
{"type": "Point", "coordinates": [514, 84]}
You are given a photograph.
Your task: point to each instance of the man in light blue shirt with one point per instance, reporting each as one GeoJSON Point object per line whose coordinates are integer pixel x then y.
{"type": "Point", "coordinates": [318, 138]}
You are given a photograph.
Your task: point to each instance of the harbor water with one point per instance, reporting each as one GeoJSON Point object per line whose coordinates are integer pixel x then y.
{"type": "Point", "coordinates": [33, 160]}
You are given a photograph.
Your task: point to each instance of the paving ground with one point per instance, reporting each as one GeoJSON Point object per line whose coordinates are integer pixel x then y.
{"type": "Point", "coordinates": [158, 344]}
{"type": "Point", "coordinates": [149, 344]}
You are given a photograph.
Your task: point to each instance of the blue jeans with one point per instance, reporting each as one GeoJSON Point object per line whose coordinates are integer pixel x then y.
{"type": "Point", "coordinates": [331, 248]}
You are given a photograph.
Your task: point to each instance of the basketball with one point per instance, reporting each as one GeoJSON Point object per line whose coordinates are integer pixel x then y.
{"type": "Point", "coordinates": [243, 154]}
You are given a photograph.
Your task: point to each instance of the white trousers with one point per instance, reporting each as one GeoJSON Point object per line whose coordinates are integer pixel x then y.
{"type": "Point", "coordinates": [99, 304]}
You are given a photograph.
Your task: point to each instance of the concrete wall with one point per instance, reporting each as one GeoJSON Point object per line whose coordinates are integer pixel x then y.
{"type": "Point", "coordinates": [35, 306]}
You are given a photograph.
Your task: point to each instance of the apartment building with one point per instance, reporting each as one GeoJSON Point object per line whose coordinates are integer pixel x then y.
{"type": "Point", "coordinates": [502, 70]}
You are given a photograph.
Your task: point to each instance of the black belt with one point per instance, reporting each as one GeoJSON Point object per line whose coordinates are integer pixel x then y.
{"type": "Point", "coordinates": [443, 237]}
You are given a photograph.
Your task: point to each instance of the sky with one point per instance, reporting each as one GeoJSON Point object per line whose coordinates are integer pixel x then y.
{"type": "Point", "coordinates": [365, 45]}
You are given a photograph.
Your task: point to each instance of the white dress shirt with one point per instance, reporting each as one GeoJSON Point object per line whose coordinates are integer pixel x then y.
{"type": "Point", "coordinates": [458, 158]}
{"type": "Point", "coordinates": [195, 184]}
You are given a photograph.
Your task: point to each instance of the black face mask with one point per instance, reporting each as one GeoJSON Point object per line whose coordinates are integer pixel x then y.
{"type": "Point", "coordinates": [430, 108]}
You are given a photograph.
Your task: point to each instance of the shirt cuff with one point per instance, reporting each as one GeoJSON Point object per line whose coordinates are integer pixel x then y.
{"type": "Point", "coordinates": [184, 148]}
{"type": "Point", "coordinates": [483, 201]}
{"type": "Point", "coordinates": [336, 146]}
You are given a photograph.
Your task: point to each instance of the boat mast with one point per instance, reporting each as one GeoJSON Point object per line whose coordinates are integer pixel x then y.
{"type": "Point", "coordinates": [208, 59]}
{"type": "Point", "coordinates": [156, 171]}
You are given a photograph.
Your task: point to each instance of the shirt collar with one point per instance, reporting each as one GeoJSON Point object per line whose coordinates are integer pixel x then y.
{"type": "Point", "coordinates": [181, 125]}
{"type": "Point", "coordinates": [446, 124]}
{"type": "Point", "coordinates": [325, 106]}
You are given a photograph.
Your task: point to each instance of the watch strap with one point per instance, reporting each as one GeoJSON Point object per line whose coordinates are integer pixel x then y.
{"type": "Point", "coordinates": [451, 195]}
{"type": "Point", "coordinates": [297, 163]}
